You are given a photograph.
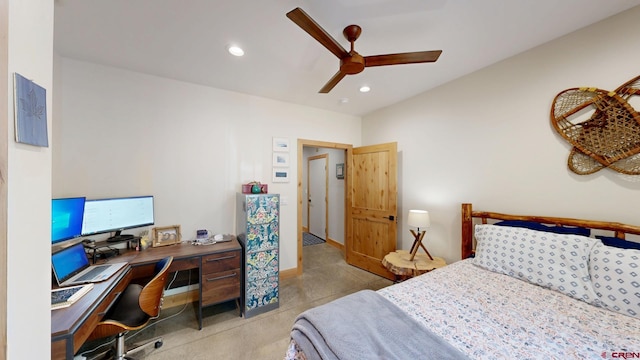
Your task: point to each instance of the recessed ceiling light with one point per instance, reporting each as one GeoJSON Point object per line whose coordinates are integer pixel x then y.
{"type": "Point", "coordinates": [344, 100]}
{"type": "Point", "coordinates": [365, 89]}
{"type": "Point", "coordinates": [235, 50]}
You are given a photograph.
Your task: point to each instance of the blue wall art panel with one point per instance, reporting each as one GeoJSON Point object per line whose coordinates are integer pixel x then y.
{"type": "Point", "coordinates": [30, 112]}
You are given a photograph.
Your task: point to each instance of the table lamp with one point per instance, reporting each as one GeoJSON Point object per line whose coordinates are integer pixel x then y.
{"type": "Point", "coordinates": [418, 219]}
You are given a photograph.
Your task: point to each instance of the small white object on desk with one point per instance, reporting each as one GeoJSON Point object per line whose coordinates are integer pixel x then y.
{"type": "Point", "coordinates": [213, 239]}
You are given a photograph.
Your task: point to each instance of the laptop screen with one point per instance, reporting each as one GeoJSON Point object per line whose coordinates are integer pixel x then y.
{"type": "Point", "coordinates": [69, 262]}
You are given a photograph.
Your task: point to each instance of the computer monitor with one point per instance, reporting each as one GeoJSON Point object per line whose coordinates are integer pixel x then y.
{"type": "Point", "coordinates": [117, 214]}
{"type": "Point", "coordinates": [66, 218]}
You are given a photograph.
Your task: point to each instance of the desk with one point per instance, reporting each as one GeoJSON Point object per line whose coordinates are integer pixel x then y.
{"type": "Point", "coordinates": [219, 269]}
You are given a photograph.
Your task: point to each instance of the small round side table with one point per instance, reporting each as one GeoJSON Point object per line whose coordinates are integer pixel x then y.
{"type": "Point", "coordinates": [399, 264]}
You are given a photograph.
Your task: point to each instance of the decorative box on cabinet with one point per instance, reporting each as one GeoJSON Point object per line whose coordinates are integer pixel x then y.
{"type": "Point", "coordinates": [258, 230]}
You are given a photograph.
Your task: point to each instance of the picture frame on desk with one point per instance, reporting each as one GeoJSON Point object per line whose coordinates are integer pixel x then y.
{"type": "Point", "coordinates": [168, 235]}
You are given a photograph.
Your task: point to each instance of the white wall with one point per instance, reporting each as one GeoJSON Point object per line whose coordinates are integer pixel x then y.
{"type": "Point", "coordinates": [335, 192]}
{"type": "Point", "coordinates": [29, 190]}
{"type": "Point", "coordinates": [125, 133]}
{"type": "Point", "coordinates": [487, 139]}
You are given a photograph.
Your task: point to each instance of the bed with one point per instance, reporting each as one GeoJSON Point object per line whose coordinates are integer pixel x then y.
{"type": "Point", "coordinates": [528, 287]}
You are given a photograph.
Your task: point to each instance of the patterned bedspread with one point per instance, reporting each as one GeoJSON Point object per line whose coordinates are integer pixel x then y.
{"type": "Point", "coordinates": [493, 316]}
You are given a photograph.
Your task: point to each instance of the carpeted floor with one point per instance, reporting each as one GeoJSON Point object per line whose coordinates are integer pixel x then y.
{"type": "Point", "coordinates": [310, 239]}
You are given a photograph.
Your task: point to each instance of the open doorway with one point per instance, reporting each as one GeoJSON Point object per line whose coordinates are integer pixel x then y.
{"type": "Point", "coordinates": [317, 194]}
{"type": "Point", "coordinates": [331, 223]}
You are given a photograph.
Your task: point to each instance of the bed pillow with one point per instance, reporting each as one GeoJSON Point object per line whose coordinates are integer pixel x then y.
{"type": "Point", "coordinates": [619, 243]}
{"type": "Point", "coordinates": [554, 261]}
{"type": "Point", "coordinates": [575, 230]}
{"type": "Point", "coordinates": [615, 274]}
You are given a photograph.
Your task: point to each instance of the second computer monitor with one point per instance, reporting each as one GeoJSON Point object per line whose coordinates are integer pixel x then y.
{"type": "Point", "coordinates": [117, 214]}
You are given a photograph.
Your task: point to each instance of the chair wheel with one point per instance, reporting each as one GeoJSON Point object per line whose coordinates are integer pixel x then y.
{"type": "Point", "coordinates": [158, 344]}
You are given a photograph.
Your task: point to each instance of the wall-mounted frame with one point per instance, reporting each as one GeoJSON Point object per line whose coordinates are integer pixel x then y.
{"type": "Point", "coordinates": [280, 159]}
{"type": "Point", "coordinates": [280, 175]}
{"type": "Point", "coordinates": [340, 171]}
{"type": "Point", "coordinates": [168, 235]}
{"type": "Point", "coordinates": [30, 112]}
{"type": "Point", "coordinates": [280, 144]}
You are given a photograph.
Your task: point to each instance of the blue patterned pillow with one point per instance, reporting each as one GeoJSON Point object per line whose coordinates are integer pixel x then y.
{"type": "Point", "coordinates": [615, 274]}
{"type": "Point", "coordinates": [554, 261]}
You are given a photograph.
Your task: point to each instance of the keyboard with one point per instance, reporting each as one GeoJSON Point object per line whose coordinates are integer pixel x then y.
{"type": "Point", "coordinates": [64, 297]}
{"type": "Point", "coordinates": [93, 272]}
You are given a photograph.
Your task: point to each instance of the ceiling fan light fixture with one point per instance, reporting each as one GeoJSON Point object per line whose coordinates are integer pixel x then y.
{"type": "Point", "coordinates": [235, 50]}
{"type": "Point", "coordinates": [365, 89]}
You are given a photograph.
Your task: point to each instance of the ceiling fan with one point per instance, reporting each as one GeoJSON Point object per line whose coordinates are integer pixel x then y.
{"type": "Point", "coordinates": [350, 61]}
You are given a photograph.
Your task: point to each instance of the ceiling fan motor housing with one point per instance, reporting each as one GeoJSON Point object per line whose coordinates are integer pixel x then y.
{"type": "Point", "coordinates": [352, 64]}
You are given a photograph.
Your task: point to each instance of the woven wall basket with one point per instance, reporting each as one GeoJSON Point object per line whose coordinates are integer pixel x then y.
{"type": "Point", "coordinates": [602, 126]}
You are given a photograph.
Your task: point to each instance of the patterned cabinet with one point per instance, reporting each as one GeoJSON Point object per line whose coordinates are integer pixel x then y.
{"type": "Point", "coordinates": [258, 230]}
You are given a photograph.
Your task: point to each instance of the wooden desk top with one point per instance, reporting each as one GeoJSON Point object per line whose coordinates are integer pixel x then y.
{"type": "Point", "coordinates": [178, 251]}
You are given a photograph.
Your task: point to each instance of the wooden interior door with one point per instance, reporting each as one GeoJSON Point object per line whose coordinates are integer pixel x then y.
{"type": "Point", "coordinates": [372, 207]}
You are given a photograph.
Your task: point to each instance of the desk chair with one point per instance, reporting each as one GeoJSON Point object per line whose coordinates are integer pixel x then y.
{"type": "Point", "coordinates": [133, 310]}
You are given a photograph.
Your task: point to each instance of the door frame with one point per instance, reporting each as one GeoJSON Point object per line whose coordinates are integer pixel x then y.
{"type": "Point", "coordinates": [347, 196]}
{"type": "Point", "coordinates": [4, 168]}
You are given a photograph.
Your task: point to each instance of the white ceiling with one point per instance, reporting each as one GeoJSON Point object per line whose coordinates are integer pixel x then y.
{"type": "Point", "coordinates": [187, 40]}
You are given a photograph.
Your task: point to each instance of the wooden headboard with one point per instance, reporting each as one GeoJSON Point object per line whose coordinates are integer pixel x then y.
{"type": "Point", "coordinates": [468, 214]}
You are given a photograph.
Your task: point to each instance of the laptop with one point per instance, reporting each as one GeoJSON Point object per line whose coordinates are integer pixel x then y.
{"type": "Point", "coordinates": [71, 267]}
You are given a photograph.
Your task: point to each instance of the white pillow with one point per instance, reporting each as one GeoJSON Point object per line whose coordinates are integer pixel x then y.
{"type": "Point", "coordinates": [554, 261]}
{"type": "Point", "coordinates": [615, 274]}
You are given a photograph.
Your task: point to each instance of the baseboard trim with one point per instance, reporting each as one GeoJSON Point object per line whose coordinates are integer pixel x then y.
{"type": "Point", "coordinates": [288, 274]}
{"type": "Point", "coordinates": [335, 244]}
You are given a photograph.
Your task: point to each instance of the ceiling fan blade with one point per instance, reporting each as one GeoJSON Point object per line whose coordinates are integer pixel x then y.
{"type": "Point", "coordinates": [333, 82]}
{"type": "Point", "coordinates": [307, 24]}
{"type": "Point", "coordinates": [403, 58]}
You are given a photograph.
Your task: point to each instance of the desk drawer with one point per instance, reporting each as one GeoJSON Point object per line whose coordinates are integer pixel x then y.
{"type": "Point", "coordinates": [220, 262]}
{"type": "Point", "coordinates": [220, 286]}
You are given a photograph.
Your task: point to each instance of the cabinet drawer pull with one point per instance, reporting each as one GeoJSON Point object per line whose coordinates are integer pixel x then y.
{"type": "Point", "coordinates": [221, 258]}
{"type": "Point", "coordinates": [222, 277]}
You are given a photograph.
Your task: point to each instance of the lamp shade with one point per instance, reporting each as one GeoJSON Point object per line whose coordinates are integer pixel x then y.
{"type": "Point", "coordinates": [419, 219]}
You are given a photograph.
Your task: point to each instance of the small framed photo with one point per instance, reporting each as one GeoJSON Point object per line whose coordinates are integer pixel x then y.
{"type": "Point", "coordinates": [280, 175]}
{"type": "Point", "coordinates": [280, 144]}
{"type": "Point", "coordinates": [280, 159]}
{"type": "Point", "coordinates": [163, 236]}
{"type": "Point", "coordinates": [340, 171]}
